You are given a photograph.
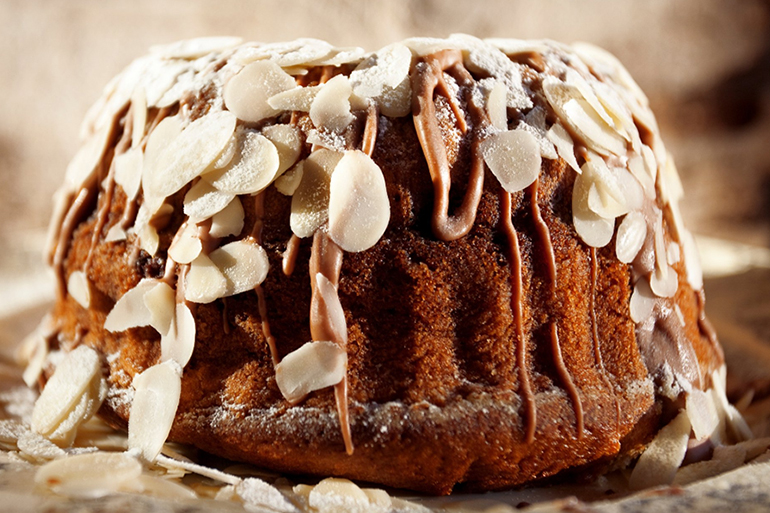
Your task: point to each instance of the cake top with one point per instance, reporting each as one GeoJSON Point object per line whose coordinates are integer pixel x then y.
{"type": "Point", "coordinates": [218, 120]}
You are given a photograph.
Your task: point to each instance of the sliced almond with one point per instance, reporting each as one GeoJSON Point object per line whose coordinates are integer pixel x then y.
{"type": "Point", "coordinates": [659, 463]}
{"type": "Point", "coordinates": [85, 161]}
{"type": "Point", "coordinates": [596, 231]}
{"type": "Point", "coordinates": [287, 141]}
{"type": "Point", "coordinates": [165, 133]}
{"type": "Point", "coordinates": [606, 195]}
{"type": "Point", "coordinates": [204, 282]}
{"type": "Point", "coordinates": [79, 288]}
{"type": "Point", "coordinates": [64, 389]}
{"type": "Point", "coordinates": [288, 182]}
{"type": "Point", "coordinates": [39, 448]}
{"type": "Point", "coordinates": [130, 311]}
{"type": "Point", "coordinates": [298, 98]}
{"type": "Point", "coordinates": [85, 408]}
{"type": "Point", "coordinates": [574, 79]}
{"type": "Point", "coordinates": [496, 106]}
{"type": "Point", "coordinates": [128, 171]}
{"type": "Point", "coordinates": [149, 240]}
{"type": "Point", "coordinates": [156, 398]}
{"type": "Point", "coordinates": [331, 107]}
{"type": "Point", "coordinates": [160, 301]}
{"type": "Point", "coordinates": [243, 263]}
{"type": "Point", "coordinates": [203, 201]}
{"type": "Point", "coordinates": [565, 147]}
{"type": "Point", "coordinates": [179, 343]}
{"type": "Point", "coordinates": [257, 493]}
{"type": "Point", "coordinates": [229, 221]}
{"type": "Point", "coordinates": [642, 302]}
{"type": "Point", "coordinates": [253, 167]}
{"type": "Point", "coordinates": [139, 116]}
{"type": "Point", "coordinates": [724, 459]}
{"type": "Point", "coordinates": [335, 494]}
{"type": "Point", "coordinates": [631, 235]}
{"type": "Point", "coordinates": [246, 94]}
{"type": "Point", "coordinates": [186, 246]}
{"type": "Point", "coordinates": [334, 312]}
{"type": "Point", "coordinates": [359, 208]}
{"type": "Point", "coordinates": [313, 366]}
{"type": "Point", "coordinates": [310, 202]}
{"type": "Point", "coordinates": [638, 168]}
{"type": "Point", "coordinates": [194, 48]}
{"type": "Point", "coordinates": [673, 253]}
{"type": "Point", "coordinates": [703, 414]}
{"type": "Point", "coordinates": [116, 233]}
{"type": "Point", "coordinates": [187, 466]}
{"type": "Point", "coordinates": [91, 475]}
{"type": "Point", "coordinates": [384, 77]}
{"type": "Point", "coordinates": [165, 488]}
{"type": "Point", "coordinates": [190, 153]}
{"type": "Point", "coordinates": [664, 281]}
{"type": "Point", "coordinates": [691, 260]}
{"type": "Point", "coordinates": [513, 157]}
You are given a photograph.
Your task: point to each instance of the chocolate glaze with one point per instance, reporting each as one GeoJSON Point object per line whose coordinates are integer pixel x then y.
{"type": "Point", "coordinates": [289, 260]}
{"type": "Point", "coordinates": [550, 258]}
{"type": "Point", "coordinates": [514, 257]}
{"type": "Point", "coordinates": [370, 129]}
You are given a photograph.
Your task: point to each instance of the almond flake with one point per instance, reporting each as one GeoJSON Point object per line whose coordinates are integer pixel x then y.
{"type": "Point", "coordinates": [724, 459]}
{"type": "Point", "coordinates": [359, 209]}
{"type": "Point", "coordinates": [638, 168]}
{"type": "Point", "coordinates": [35, 351]}
{"type": "Point", "coordinates": [162, 136]}
{"type": "Point", "coordinates": [384, 77]}
{"type": "Point", "coordinates": [310, 202]}
{"type": "Point", "coordinates": [606, 197]}
{"type": "Point", "coordinates": [630, 238]}
{"type": "Point", "coordinates": [139, 116]}
{"type": "Point", "coordinates": [513, 157]}
{"type": "Point", "coordinates": [642, 302]}
{"type": "Point", "coordinates": [246, 94]}
{"type": "Point", "coordinates": [186, 246]}
{"type": "Point", "coordinates": [190, 467]}
{"type": "Point", "coordinates": [574, 79]}
{"type": "Point", "coordinates": [565, 147]}
{"type": "Point", "coordinates": [179, 344]}
{"type": "Point", "coordinates": [243, 263]}
{"type": "Point", "coordinates": [313, 366]}
{"type": "Point", "coordinates": [115, 234]}
{"type": "Point", "coordinates": [331, 106]}
{"type": "Point", "coordinates": [159, 301]}
{"type": "Point", "coordinates": [90, 475]}
{"type": "Point", "coordinates": [64, 389]}
{"type": "Point", "coordinates": [197, 47]}
{"type": "Point", "coordinates": [341, 56]}
{"type": "Point", "coordinates": [287, 141]}
{"type": "Point", "coordinates": [335, 494]}
{"type": "Point", "coordinates": [256, 492]}
{"type": "Point", "coordinates": [659, 463]}
{"type": "Point", "coordinates": [85, 161]}
{"type": "Point", "coordinates": [673, 253]}
{"type": "Point", "coordinates": [288, 182]}
{"type": "Point", "coordinates": [594, 230]}
{"type": "Point", "coordinates": [34, 445]}
{"type": "Point", "coordinates": [156, 398]}
{"type": "Point", "coordinates": [165, 488]}
{"type": "Point", "coordinates": [128, 171]}
{"type": "Point", "coordinates": [334, 312]}
{"type": "Point", "coordinates": [229, 221]}
{"type": "Point", "coordinates": [496, 108]}
{"type": "Point", "coordinates": [190, 153]}
{"type": "Point", "coordinates": [664, 281]}
{"type": "Point", "coordinates": [204, 200]}
{"type": "Point", "coordinates": [204, 282]}
{"type": "Point", "coordinates": [130, 311]}
{"type": "Point", "coordinates": [703, 414]}
{"type": "Point", "coordinates": [79, 288]}
{"type": "Point", "coordinates": [691, 260]}
{"type": "Point", "coordinates": [86, 407]}
{"type": "Point", "coordinates": [228, 153]}
{"type": "Point", "coordinates": [252, 169]}
{"type": "Point", "coordinates": [299, 99]}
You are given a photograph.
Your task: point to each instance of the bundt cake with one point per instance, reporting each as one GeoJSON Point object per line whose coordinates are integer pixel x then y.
{"type": "Point", "coordinates": [448, 261]}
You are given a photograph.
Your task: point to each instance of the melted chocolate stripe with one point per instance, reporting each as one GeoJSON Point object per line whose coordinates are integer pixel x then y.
{"type": "Point", "coordinates": [550, 257]}
{"type": "Point", "coordinates": [256, 233]}
{"type": "Point", "coordinates": [370, 129]}
{"type": "Point", "coordinates": [514, 257]}
{"type": "Point", "coordinates": [289, 261]}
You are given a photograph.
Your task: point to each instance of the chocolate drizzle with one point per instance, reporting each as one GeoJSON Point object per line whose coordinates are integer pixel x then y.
{"type": "Point", "coordinates": [289, 260]}
{"type": "Point", "coordinates": [256, 234]}
{"type": "Point", "coordinates": [514, 257]}
{"type": "Point", "coordinates": [550, 258]}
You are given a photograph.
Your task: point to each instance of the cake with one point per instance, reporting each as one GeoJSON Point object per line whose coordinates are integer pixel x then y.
{"type": "Point", "coordinates": [448, 262]}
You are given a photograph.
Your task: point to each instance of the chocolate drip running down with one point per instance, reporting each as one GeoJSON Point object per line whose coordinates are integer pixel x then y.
{"type": "Point", "coordinates": [256, 234]}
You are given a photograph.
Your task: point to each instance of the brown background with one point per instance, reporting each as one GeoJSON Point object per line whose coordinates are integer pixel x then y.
{"type": "Point", "coordinates": [705, 65]}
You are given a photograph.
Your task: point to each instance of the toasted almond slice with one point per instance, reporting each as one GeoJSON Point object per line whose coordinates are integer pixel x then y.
{"type": "Point", "coordinates": [165, 133]}
{"type": "Point", "coordinates": [229, 221]}
{"type": "Point", "coordinates": [186, 246]}
{"type": "Point", "coordinates": [36, 446]}
{"type": "Point", "coordinates": [664, 281]}
{"type": "Point", "coordinates": [287, 141]}
{"type": "Point", "coordinates": [179, 343]}
{"type": "Point", "coordinates": [703, 415]}
{"type": "Point", "coordinates": [116, 233]}
{"type": "Point", "coordinates": [334, 311]}
{"type": "Point", "coordinates": [130, 311]}
{"type": "Point", "coordinates": [243, 263]}
{"type": "Point", "coordinates": [565, 147]}
{"type": "Point", "coordinates": [331, 106]}
{"type": "Point", "coordinates": [159, 301]}
{"type": "Point", "coordinates": [246, 94]}
{"type": "Point", "coordinates": [190, 153]}
{"type": "Point", "coordinates": [90, 475]}
{"type": "Point", "coordinates": [359, 208]}
{"type": "Point", "coordinates": [513, 157]}
{"type": "Point", "coordinates": [630, 187]}
{"type": "Point", "coordinates": [194, 48]}
{"type": "Point", "coordinates": [724, 459]}
{"type": "Point", "coordinates": [574, 79]}
{"type": "Point", "coordinates": [288, 182]}
{"type": "Point", "coordinates": [86, 407]}
{"type": "Point", "coordinates": [673, 253]}
{"type": "Point", "coordinates": [165, 488]}
{"type": "Point", "coordinates": [156, 398]}
{"type": "Point", "coordinates": [310, 202]}
{"type": "Point", "coordinates": [204, 282]}
{"type": "Point", "coordinates": [253, 167]}
{"type": "Point", "coordinates": [257, 493]}
{"type": "Point", "coordinates": [496, 108]}
{"type": "Point", "coordinates": [128, 171]}
{"type": "Point", "coordinates": [334, 494]}
{"type": "Point", "coordinates": [85, 161]}
{"type": "Point", "coordinates": [642, 301]}
{"type": "Point", "coordinates": [79, 288]}
{"type": "Point", "coordinates": [691, 260]}
{"type": "Point", "coordinates": [298, 98]}
{"type": "Point", "coordinates": [342, 56]}
{"type": "Point", "coordinates": [638, 168]}
{"type": "Point", "coordinates": [149, 240]}
{"type": "Point", "coordinates": [64, 389]}
{"type": "Point", "coordinates": [658, 464]}
{"type": "Point", "coordinates": [596, 231]}
{"type": "Point", "coordinates": [606, 196]}
{"type": "Point", "coordinates": [313, 366]}
{"type": "Point", "coordinates": [139, 116]}
{"type": "Point", "coordinates": [631, 234]}
{"type": "Point", "coordinates": [188, 466]}
{"type": "Point", "coordinates": [35, 349]}
{"type": "Point", "coordinates": [204, 200]}
{"type": "Point", "coordinates": [385, 68]}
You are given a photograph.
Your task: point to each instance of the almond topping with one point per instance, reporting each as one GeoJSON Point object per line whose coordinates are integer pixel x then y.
{"type": "Point", "coordinates": [91, 475]}
{"type": "Point", "coordinates": [186, 246]}
{"type": "Point", "coordinates": [331, 106]}
{"type": "Point", "coordinates": [313, 366]}
{"type": "Point", "coordinates": [243, 263]}
{"type": "Point", "coordinates": [246, 94]}
{"type": "Point", "coordinates": [79, 288]}
{"type": "Point", "coordinates": [660, 461]}
{"type": "Point", "coordinates": [513, 157]}
{"type": "Point", "coordinates": [253, 167]}
{"type": "Point", "coordinates": [631, 234]}
{"type": "Point", "coordinates": [203, 201]}
{"type": "Point", "coordinates": [310, 202]}
{"type": "Point", "coordinates": [204, 282]}
{"type": "Point", "coordinates": [128, 171]}
{"type": "Point", "coordinates": [229, 221]}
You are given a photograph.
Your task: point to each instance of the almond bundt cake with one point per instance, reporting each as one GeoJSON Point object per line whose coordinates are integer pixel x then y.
{"type": "Point", "coordinates": [448, 261]}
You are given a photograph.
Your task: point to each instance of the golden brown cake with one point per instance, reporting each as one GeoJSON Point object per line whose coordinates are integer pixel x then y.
{"type": "Point", "coordinates": [445, 262]}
